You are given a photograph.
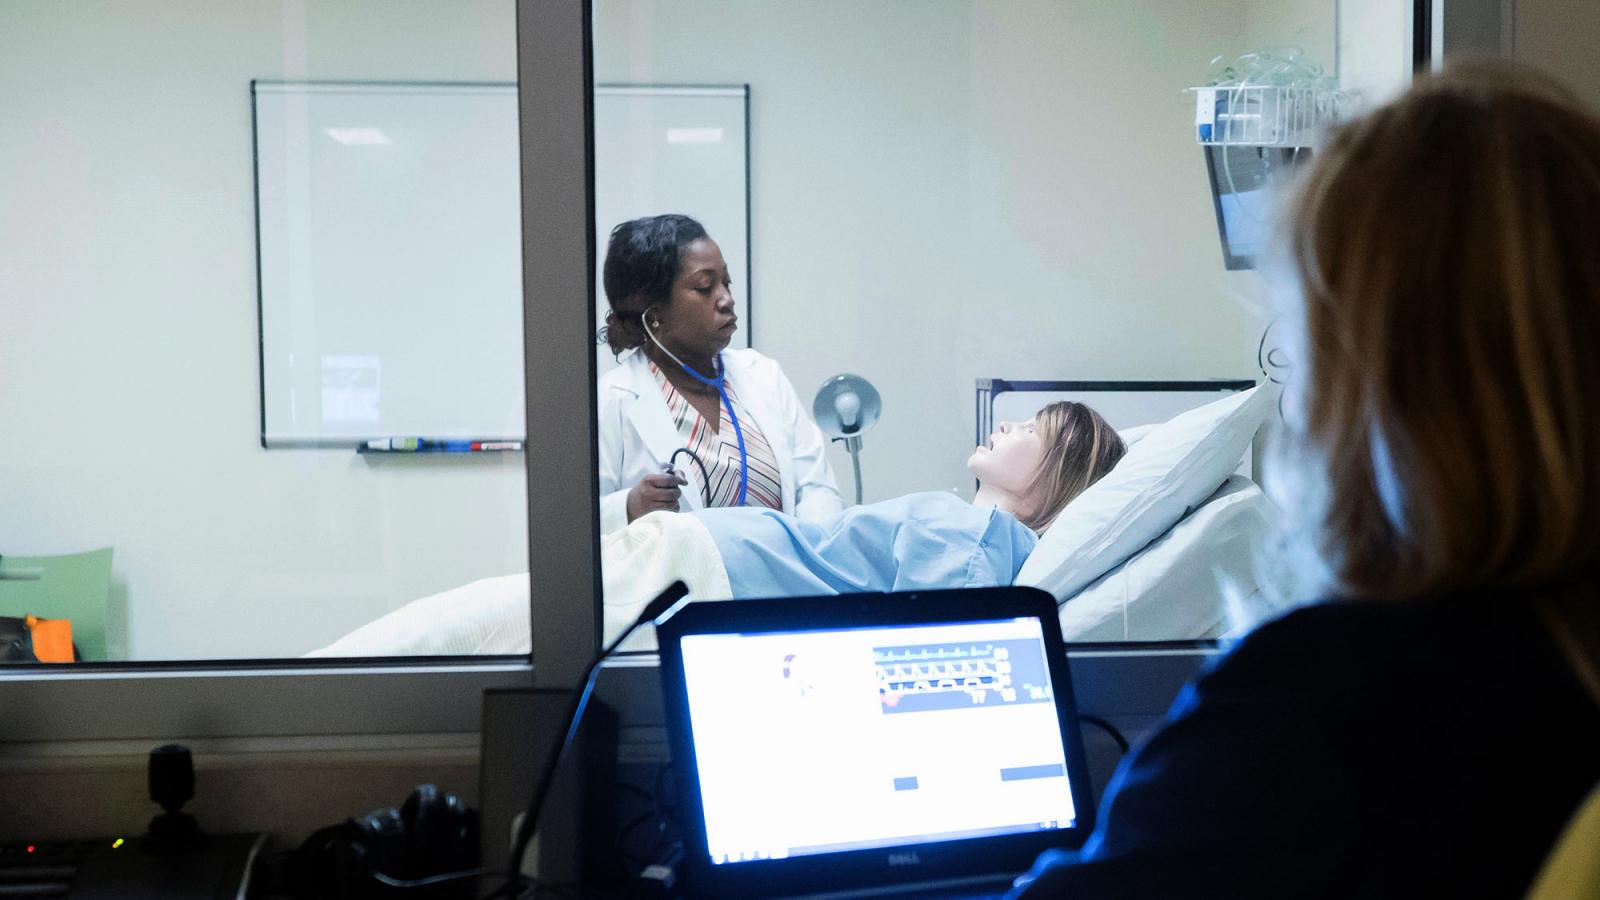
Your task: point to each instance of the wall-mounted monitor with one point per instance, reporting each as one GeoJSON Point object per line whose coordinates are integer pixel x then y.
{"type": "Point", "coordinates": [1244, 182]}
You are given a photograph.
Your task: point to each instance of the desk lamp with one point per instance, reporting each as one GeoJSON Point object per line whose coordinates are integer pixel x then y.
{"type": "Point", "coordinates": [846, 406]}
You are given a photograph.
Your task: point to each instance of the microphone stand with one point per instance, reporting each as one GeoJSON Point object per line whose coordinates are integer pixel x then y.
{"type": "Point", "coordinates": [530, 820]}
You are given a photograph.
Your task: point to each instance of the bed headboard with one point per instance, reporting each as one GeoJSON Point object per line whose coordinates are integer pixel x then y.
{"type": "Point", "coordinates": [1124, 404]}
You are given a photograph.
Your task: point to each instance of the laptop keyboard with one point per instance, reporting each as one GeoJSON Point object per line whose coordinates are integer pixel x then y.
{"type": "Point", "coordinates": [41, 868]}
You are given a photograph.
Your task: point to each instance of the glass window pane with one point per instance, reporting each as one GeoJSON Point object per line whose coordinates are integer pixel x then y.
{"type": "Point", "coordinates": [243, 240]}
{"type": "Point", "coordinates": [989, 310]}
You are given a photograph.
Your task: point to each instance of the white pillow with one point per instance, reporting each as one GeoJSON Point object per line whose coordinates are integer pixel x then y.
{"type": "Point", "coordinates": [1179, 587]}
{"type": "Point", "coordinates": [1168, 472]}
{"type": "Point", "coordinates": [1134, 435]}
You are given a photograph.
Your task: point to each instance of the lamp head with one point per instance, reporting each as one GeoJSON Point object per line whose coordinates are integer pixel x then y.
{"type": "Point", "coordinates": [846, 406]}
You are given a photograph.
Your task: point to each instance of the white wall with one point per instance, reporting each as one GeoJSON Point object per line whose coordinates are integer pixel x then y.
{"type": "Point", "coordinates": [1307, 24]}
{"type": "Point", "coordinates": [942, 191]}
{"type": "Point", "coordinates": [128, 349]}
{"type": "Point", "coordinates": [1374, 49]}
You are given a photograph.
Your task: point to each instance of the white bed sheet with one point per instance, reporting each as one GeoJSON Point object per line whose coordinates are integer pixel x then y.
{"type": "Point", "coordinates": [1199, 580]}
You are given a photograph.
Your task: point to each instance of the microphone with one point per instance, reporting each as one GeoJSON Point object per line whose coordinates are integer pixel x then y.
{"type": "Point", "coordinates": [653, 610]}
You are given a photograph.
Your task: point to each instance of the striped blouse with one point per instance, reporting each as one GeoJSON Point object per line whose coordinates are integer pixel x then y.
{"type": "Point", "coordinates": [718, 451]}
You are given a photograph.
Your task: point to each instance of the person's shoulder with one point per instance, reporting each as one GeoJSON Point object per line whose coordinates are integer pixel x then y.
{"type": "Point", "coordinates": [1346, 643]}
{"type": "Point", "coordinates": [1378, 622]}
{"type": "Point", "coordinates": [623, 375]}
{"type": "Point", "coordinates": [1329, 624]}
{"type": "Point", "coordinates": [745, 364]}
{"type": "Point", "coordinates": [748, 358]}
{"type": "Point", "coordinates": [1312, 659]}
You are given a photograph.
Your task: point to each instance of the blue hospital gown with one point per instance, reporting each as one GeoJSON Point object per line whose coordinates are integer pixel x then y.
{"type": "Point", "coordinates": [917, 542]}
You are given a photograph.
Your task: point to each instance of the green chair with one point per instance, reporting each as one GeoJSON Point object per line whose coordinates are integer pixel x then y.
{"type": "Point", "coordinates": [74, 586]}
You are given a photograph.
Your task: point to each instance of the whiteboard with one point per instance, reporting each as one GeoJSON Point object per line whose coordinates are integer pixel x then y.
{"type": "Point", "coordinates": [389, 243]}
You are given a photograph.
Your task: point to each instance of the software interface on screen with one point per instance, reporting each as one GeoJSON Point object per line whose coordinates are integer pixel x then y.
{"type": "Point", "coordinates": [820, 741]}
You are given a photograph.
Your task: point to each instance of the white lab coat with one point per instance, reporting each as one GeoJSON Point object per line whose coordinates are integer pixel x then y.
{"type": "Point", "coordinates": [637, 437]}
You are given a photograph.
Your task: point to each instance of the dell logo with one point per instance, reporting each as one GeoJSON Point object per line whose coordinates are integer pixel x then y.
{"type": "Point", "coordinates": [905, 859]}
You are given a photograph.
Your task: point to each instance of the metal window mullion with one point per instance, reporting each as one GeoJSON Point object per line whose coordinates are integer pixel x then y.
{"type": "Point", "coordinates": [555, 89]}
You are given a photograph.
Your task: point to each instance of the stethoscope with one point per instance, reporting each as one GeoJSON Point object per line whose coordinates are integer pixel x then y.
{"type": "Point", "coordinates": [719, 383]}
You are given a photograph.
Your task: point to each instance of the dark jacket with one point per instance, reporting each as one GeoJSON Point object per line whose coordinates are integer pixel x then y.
{"type": "Point", "coordinates": [1352, 750]}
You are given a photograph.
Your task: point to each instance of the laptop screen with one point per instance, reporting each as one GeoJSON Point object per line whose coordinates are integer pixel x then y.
{"type": "Point", "coordinates": [828, 740]}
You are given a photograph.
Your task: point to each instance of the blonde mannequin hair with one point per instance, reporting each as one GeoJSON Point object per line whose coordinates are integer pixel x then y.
{"type": "Point", "coordinates": [1079, 449]}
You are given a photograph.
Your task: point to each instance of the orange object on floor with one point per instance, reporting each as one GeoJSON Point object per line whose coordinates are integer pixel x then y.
{"type": "Point", "coordinates": [52, 639]}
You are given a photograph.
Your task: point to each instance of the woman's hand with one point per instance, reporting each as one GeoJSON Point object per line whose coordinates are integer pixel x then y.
{"type": "Point", "coordinates": [654, 492]}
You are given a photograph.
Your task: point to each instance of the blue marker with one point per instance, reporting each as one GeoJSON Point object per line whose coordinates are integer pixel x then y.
{"type": "Point", "coordinates": [427, 445]}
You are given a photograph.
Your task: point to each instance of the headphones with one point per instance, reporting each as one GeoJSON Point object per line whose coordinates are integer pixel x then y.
{"type": "Point", "coordinates": [432, 833]}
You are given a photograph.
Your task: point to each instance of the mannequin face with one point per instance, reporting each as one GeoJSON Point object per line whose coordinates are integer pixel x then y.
{"type": "Point", "coordinates": [1010, 458]}
{"type": "Point", "coordinates": [697, 321]}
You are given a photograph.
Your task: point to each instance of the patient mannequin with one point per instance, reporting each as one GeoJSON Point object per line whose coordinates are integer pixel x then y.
{"type": "Point", "coordinates": [1028, 472]}
{"type": "Point", "coordinates": [1033, 469]}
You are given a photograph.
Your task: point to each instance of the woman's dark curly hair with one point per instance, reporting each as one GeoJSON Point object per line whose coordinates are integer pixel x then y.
{"type": "Point", "coordinates": [642, 260]}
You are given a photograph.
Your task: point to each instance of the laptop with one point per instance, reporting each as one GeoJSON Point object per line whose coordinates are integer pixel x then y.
{"type": "Point", "coordinates": [904, 744]}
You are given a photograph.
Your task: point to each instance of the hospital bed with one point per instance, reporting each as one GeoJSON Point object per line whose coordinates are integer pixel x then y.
{"type": "Point", "coordinates": [1162, 548]}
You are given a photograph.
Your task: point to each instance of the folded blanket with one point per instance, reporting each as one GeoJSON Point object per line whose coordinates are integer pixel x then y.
{"type": "Point", "coordinates": [638, 562]}
{"type": "Point", "coordinates": [490, 615]}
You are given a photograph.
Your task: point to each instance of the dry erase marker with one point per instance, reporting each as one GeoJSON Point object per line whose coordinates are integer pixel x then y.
{"type": "Point", "coordinates": [393, 444]}
{"type": "Point", "coordinates": [418, 445]}
{"type": "Point", "coordinates": [425, 445]}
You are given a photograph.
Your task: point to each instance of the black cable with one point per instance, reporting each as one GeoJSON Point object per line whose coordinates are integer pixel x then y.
{"type": "Point", "coordinates": [624, 838]}
{"type": "Point", "coordinates": [431, 880]}
{"type": "Point", "coordinates": [664, 809]}
{"type": "Point", "coordinates": [527, 884]}
{"type": "Point", "coordinates": [538, 889]}
{"type": "Point", "coordinates": [625, 832]}
{"type": "Point", "coordinates": [1267, 360]}
{"type": "Point", "coordinates": [637, 791]}
{"type": "Point", "coordinates": [705, 479]}
{"type": "Point", "coordinates": [307, 869]}
{"type": "Point", "coordinates": [530, 820]}
{"type": "Point", "coordinates": [1108, 728]}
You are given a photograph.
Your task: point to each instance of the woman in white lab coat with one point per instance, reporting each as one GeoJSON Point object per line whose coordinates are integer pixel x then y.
{"type": "Point", "coordinates": [668, 438]}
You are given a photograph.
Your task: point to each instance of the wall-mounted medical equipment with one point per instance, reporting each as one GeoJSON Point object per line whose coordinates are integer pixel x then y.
{"type": "Point", "coordinates": [846, 406]}
{"type": "Point", "coordinates": [1243, 179]}
{"type": "Point", "coordinates": [1256, 121]}
{"type": "Point", "coordinates": [1262, 115]}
